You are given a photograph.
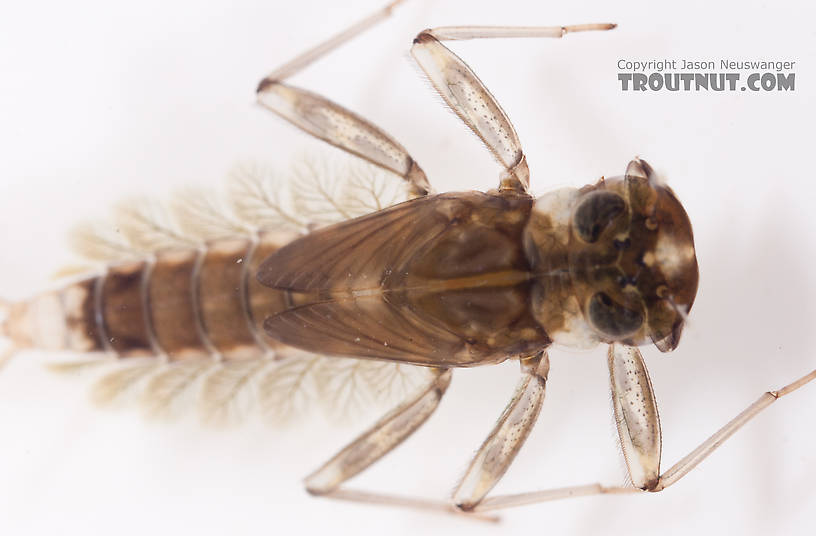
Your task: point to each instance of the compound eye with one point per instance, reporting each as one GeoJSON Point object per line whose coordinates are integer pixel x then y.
{"type": "Point", "coordinates": [595, 213]}
{"type": "Point", "coordinates": [611, 318]}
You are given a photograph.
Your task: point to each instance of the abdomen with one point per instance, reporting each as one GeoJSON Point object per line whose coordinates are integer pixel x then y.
{"type": "Point", "coordinates": [185, 304]}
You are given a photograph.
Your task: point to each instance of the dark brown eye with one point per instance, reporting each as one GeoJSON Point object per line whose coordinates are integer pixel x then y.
{"type": "Point", "coordinates": [611, 318]}
{"type": "Point", "coordinates": [596, 212]}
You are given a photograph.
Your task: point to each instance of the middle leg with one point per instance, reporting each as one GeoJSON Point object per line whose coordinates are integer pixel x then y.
{"type": "Point", "coordinates": [468, 97]}
{"type": "Point", "coordinates": [509, 434]}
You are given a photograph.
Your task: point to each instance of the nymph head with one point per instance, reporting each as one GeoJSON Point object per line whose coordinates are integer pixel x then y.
{"type": "Point", "coordinates": [628, 265]}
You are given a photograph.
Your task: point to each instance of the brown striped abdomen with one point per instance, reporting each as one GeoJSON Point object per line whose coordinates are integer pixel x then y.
{"type": "Point", "coordinates": [185, 304]}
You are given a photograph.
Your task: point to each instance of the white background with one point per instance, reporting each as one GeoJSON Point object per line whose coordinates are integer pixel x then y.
{"type": "Point", "coordinates": [101, 100]}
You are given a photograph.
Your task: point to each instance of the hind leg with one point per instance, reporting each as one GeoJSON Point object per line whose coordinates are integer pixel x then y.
{"type": "Point", "coordinates": [334, 124]}
{"type": "Point", "coordinates": [388, 433]}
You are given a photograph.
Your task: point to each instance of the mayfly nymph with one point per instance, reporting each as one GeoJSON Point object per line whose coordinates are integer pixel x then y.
{"type": "Point", "coordinates": [439, 281]}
